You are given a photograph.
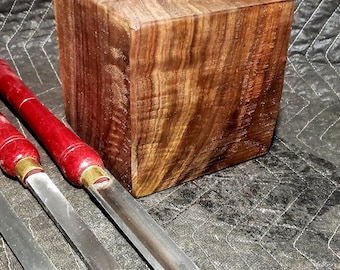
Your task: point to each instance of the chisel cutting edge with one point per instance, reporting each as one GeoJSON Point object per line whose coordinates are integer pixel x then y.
{"type": "Point", "coordinates": [83, 166]}
{"type": "Point", "coordinates": [19, 158]}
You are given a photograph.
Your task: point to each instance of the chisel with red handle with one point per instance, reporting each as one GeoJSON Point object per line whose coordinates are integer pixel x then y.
{"type": "Point", "coordinates": [83, 167]}
{"type": "Point", "coordinates": [19, 158]}
{"type": "Point", "coordinates": [19, 239]}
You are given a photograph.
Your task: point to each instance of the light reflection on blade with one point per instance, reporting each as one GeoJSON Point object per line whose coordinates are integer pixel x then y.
{"type": "Point", "coordinates": [71, 225]}
{"type": "Point", "coordinates": [21, 242]}
{"type": "Point", "coordinates": [144, 233]}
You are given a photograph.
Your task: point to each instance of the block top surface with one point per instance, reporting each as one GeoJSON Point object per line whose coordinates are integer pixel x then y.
{"type": "Point", "coordinates": [138, 12]}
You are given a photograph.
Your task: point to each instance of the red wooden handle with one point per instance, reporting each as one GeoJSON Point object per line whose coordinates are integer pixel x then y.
{"type": "Point", "coordinates": [72, 155]}
{"type": "Point", "coordinates": [14, 147]}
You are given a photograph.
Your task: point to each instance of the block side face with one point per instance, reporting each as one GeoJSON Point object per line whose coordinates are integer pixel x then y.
{"type": "Point", "coordinates": [94, 62]}
{"type": "Point", "coordinates": [207, 92]}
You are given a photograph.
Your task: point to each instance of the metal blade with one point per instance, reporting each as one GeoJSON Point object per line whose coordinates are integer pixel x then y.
{"type": "Point", "coordinates": [141, 229]}
{"type": "Point", "coordinates": [20, 240]}
{"type": "Point", "coordinates": [65, 217]}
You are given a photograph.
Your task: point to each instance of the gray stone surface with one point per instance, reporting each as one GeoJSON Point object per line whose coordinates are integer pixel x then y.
{"type": "Point", "coordinates": [310, 107]}
{"type": "Point", "coordinates": [279, 211]}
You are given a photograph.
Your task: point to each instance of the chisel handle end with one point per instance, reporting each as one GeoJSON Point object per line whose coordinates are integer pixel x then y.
{"type": "Point", "coordinates": [26, 167]}
{"type": "Point", "coordinates": [94, 175]}
{"type": "Point", "coordinates": [18, 157]}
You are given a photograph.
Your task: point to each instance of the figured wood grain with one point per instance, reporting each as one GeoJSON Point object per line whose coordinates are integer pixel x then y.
{"type": "Point", "coordinates": [167, 91]}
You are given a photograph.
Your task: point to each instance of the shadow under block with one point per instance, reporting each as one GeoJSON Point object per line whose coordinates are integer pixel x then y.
{"type": "Point", "coordinates": [167, 91]}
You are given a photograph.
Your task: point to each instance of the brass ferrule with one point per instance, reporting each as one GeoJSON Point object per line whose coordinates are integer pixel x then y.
{"type": "Point", "coordinates": [25, 166]}
{"type": "Point", "coordinates": [92, 174]}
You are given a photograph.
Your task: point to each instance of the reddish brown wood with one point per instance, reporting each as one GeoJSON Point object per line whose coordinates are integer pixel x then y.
{"type": "Point", "coordinates": [167, 91]}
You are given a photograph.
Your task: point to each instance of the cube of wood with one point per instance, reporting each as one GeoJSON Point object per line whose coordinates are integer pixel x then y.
{"type": "Point", "coordinates": [167, 91]}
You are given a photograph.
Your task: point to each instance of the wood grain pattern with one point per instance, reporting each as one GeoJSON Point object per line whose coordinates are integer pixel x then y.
{"type": "Point", "coordinates": [167, 91]}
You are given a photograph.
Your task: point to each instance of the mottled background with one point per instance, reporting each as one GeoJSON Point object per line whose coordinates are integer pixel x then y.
{"type": "Point", "coordinates": [279, 211]}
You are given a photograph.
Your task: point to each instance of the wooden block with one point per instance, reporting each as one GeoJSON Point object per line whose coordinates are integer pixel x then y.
{"type": "Point", "coordinates": [167, 91]}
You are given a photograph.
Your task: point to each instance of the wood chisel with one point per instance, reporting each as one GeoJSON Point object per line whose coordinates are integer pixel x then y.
{"type": "Point", "coordinates": [82, 166]}
{"type": "Point", "coordinates": [19, 158]}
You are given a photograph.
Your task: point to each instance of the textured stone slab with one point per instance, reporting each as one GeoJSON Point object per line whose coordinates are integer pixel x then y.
{"type": "Point", "coordinates": [280, 211]}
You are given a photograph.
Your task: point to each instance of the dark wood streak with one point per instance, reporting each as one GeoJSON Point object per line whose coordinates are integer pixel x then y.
{"type": "Point", "coordinates": [167, 91]}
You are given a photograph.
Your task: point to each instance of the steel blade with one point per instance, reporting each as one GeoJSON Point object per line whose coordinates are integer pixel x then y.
{"type": "Point", "coordinates": [20, 240]}
{"type": "Point", "coordinates": [141, 229]}
{"type": "Point", "coordinates": [71, 225]}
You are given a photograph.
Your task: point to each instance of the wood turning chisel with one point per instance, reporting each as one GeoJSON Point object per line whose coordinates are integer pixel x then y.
{"type": "Point", "coordinates": [82, 166]}
{"type": "Point", "coordinates": [19, 158]}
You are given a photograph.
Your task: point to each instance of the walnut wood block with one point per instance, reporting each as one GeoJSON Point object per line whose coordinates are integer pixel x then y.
{"type": "Point", "coordinates": [167, 91]}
